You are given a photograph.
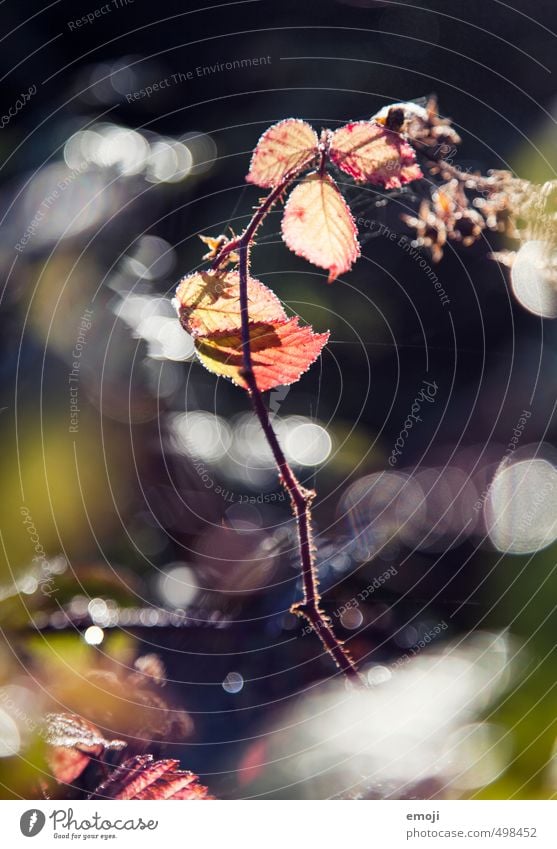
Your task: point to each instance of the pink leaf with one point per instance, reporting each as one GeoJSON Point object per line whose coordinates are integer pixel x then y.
{"type": "Point", "coordinates": [318, 225]}
{"type": "Point", "coordinates": [287, 146]}
{"type": "Point", "coordinates": [209, 301]}
{"type": "Point", "coordinates": [371, 153]}
{"type": "Point", "coordinates": [280, 351]}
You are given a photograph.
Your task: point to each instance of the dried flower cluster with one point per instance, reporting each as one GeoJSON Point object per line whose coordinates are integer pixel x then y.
{"type": "Point", "coordinates": [462, 204]}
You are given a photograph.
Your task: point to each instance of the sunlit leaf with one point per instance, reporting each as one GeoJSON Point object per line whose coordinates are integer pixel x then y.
{"type": "Point", "coordinates": [370, 153]}
{"type": "Point", "coordinates": [142, 777]}
{"type": "Point", "coordinates": [318, 225]}
{"type": "Point", "coordinates": [280, 351]}
{"type": "Point", "coordinates": [74, 742]}
{"type": "Point", "coordinates": [72, 731]}
{"type": "Point", "coordinates": [287, 146]}
{"type": "Point", "coordinates": [209, 301]}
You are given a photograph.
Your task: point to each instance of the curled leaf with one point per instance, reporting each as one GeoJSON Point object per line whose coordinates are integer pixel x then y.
{"type": "Point", "coordinates": [280, 352]}
{"type": "Point", "coordinates": [142, 777]}
{"type": "Point", "coordinates": [371, 153]}
{"type": "Point", "coordinates": [209, 301]}
{"type": "Point", "coordinates": [318, 225]}
{"type": "Point", "coordinates": [215, 245]}
{"type": "Point", "coordinates": [287, 146]}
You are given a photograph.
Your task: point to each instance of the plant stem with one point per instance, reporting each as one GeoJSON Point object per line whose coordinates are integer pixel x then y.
{"type": "Point", "coordinates": [300, 497]}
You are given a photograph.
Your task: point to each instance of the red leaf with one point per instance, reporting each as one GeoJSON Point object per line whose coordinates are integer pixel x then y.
{"type": "Point", "coordinates": [178, 785]}
{"type": "Point", "coordinates": [210, 301]}
{"type": "Point", "coordinates": [370, 153]}
{"type": "Point", "coordinates": [318, 225]}
{"type": "Point", "coordinates": [280, 351]}
{"type": "Point", "coordinates": [67, 764]}
{"type": "Point", "coordinates": [142, 777]}
{"type": "Point", "coordinates": [287, 146]}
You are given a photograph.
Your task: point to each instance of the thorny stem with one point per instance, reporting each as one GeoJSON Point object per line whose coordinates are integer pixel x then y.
{"type": "Point", "coordinates": [300, 497]}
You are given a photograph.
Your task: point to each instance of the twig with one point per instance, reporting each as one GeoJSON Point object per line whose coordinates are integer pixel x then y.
{"type": "Point", "coordinates": [300, 497]}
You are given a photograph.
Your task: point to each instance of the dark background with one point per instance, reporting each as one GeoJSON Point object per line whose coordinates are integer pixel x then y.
{"type": "Point", "coordinates": [492, 68]}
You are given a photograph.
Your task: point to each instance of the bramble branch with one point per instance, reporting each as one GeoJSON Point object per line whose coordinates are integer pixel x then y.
{"type": "Point", "coordinates": [300, 497]}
